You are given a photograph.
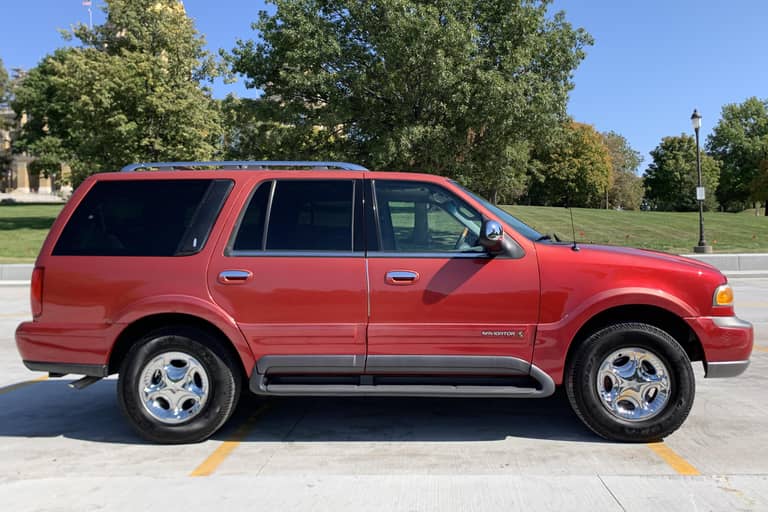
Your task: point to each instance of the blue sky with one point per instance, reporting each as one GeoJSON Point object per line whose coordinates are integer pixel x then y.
{"type": "Point", "coordinates": [653, 61]}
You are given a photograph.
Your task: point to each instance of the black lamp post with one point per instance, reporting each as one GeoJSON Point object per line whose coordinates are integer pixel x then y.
{"type": "Point", "coordinates": [702, 246]}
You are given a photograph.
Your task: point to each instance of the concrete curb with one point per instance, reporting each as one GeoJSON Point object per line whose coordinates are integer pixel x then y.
{"type": "Point", "coordinates": [735, 266]}
{"type": "Point", "coordinates": [16, 271]}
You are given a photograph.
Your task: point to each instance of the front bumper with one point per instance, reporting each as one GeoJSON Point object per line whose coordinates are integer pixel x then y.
{"type": "Point", "coordinates": [725, 369]}
{"type": "Point", "coordinates": [727, 343]}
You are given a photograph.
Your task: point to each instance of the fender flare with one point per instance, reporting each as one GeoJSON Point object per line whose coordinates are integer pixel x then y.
{"type": "Point", "coordinates": [192, 306]}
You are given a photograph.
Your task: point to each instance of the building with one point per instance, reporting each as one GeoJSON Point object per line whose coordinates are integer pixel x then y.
{"type": "Point", "coordinates": [15, 177]}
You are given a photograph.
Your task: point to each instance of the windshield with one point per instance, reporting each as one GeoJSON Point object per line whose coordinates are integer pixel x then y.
{"type": "Point", "coordinates": [518, 225]}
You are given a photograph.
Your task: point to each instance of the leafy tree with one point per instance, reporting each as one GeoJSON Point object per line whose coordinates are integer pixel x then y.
{"type": "Point", "coordinates": [576, 172]}
{"type": "Point", "coordinates": [740, 141]}
{"type": "Point", "coordinates": [4, 83]}
{"type": "Point", "coordinates": [626, 190]}
{"type": "Point", "coordinates": [131, 92]}
{"type": "Point", "coordinates": [465, 88]}
{"type": "Point", "coordinates": [671, 179]}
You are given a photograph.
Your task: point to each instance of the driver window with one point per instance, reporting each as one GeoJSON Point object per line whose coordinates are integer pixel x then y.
{"type": "Point", "coordinates": [422, 217]}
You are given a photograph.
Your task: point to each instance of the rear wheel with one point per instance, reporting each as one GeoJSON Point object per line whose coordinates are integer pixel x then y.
{"type": "Point", "coordinates": [178, 385]}
{"type": "Point", "coordinates": [631, 382]}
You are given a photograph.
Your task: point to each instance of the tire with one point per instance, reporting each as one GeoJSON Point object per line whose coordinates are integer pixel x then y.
{"type": "Point", "coordinates": [178, 385]}
{"type": "Point", "coordinates": [631, 354]}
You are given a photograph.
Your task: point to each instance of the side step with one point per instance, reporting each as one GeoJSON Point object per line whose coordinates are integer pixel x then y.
{"type": "Point", "coordinates": [415, 376]}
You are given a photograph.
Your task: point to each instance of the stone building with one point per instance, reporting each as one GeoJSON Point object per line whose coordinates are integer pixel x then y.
{"type": "Point", "coordinates": [15, 177]}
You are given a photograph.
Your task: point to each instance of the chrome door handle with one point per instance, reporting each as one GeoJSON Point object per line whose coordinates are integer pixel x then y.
{"type": "Point", "coordinates": [401, 277]}
{"type": "Point", "coordinates": [234, 276]}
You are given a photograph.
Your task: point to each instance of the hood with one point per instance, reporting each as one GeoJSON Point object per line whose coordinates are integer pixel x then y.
{"type": "Point", "coordinates": [657, 256]}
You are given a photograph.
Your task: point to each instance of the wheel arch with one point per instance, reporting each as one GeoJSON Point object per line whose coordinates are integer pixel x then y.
{"type": "Point", "coordinates": [656, 316]}
{"type": "Point", "coordinates": [141, 326]}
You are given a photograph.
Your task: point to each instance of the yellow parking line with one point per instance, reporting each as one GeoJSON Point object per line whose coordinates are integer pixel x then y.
{"type": "Point", "coordinates": [676, 462]}
{"type": "Point", "coordinates": [14, 387]}
{"type": "Point", "coordinates": [759, 348]}
{"type": "Point", "coordinates": [214, 460]}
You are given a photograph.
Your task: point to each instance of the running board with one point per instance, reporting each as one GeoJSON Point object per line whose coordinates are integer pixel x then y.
{"type": "Point", "coordinates": [407, 365]}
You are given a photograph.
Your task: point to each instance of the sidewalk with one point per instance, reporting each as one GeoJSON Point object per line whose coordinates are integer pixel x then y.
{"type": "Point", "coordinates": [744, 265]}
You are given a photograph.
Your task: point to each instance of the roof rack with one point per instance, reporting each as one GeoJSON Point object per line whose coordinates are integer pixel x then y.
{"type": "Point", "coordinates": [244, 165]}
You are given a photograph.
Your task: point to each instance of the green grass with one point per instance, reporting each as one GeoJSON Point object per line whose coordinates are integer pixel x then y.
{"type": "Point", "coordinates": [22, 230]}
{"type": "Point", "coordinates": [667, 231]}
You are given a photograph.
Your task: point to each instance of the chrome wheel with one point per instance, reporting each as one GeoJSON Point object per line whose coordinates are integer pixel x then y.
{"type": "Point", "coordinates": [633, 384]}
{"type": "Point", "coordinates": [173, 387]}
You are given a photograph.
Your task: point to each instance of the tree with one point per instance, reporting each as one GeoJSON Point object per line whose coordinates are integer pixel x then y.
{"type": "Point", "coordinates": [131, 92]}
{"type": "Point", "coordinates": [576, 172]}
{"type": "Point", "coordinates": [626, 190]}
{"type": "Point", "coordinates": [4, 83]}
{"type": "Point", "coordinates": [465, 88]}
{"type": "Point", "coordinates": [671, 179]}
{"type": "Point", "coordinates": [740, 141]}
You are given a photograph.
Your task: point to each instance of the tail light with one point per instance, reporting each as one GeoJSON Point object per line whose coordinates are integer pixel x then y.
{"type": "Point", "coordinates": [36, 291]}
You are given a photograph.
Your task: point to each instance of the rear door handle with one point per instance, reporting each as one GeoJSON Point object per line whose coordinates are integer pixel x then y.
{"type": "Point", "coordinates": [234, 276]}
{"type": "Point", "coordinates": [401, 277]}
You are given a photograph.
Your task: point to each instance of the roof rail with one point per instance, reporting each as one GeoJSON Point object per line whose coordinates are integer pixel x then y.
{"type": "Point", "coordinates": [244, 165]}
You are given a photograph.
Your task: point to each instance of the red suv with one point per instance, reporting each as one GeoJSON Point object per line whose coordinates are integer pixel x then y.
{"type": "Point", "coordinates": [323, 278]}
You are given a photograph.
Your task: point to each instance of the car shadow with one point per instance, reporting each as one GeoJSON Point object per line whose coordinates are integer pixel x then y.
{"type": "Point", "coordinates": [51, 409]}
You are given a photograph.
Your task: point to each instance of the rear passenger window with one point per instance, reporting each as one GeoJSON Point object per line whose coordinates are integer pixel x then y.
{"type": "Point", "coordinates": [300, 215]}
{"type": "Point", "coordinates": [143, 218]}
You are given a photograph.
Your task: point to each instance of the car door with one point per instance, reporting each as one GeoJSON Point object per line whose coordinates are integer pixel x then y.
{"type": "Point", "coordinates": [438, 299]}
{"type": "Point", "coordinates": [292, 272]}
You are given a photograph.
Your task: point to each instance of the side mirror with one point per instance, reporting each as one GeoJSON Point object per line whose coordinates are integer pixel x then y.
{"type": "Point", "coordinates": [491, 235]}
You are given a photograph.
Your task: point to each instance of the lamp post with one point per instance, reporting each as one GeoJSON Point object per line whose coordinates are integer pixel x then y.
{"type": "Point", "coordinates": [702, 246]}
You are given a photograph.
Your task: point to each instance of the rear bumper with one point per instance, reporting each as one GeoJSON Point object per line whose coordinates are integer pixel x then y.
{"type": "Point", "coordinates": [91, 370]}
{"type": "Point", "coordinates": [727, 343]}
{"type": "Point", "coordinates": [73, 346]}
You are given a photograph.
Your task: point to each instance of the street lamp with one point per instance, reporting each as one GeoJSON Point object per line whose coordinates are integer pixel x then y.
{"type": "Point", "coordinates": [702, 246]}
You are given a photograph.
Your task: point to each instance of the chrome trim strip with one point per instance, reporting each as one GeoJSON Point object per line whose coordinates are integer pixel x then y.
{"type": "Point", "coordinates": [245, 165]}
{"type": "Point", "coordinates": [725, 369]}
{"type": "Point", "coordinates": [730, 322]}
{"type": "Point", "coordinates": [296, 254]}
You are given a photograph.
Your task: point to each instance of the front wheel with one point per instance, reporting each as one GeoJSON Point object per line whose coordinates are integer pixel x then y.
{"type": "Point", "coordinates": [631, 382]}
{"type": "Point", "coordinates": [177, 385]}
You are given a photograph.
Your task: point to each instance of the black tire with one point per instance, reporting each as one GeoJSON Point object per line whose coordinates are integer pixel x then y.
{"type": "Point", "coordinates": [223, 384]}
{"type": "Point", "coordinates": [582, 387]}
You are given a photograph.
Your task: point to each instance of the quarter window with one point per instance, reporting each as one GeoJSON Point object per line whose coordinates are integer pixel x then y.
{"type": "Point", "coordinates": [143, 218]}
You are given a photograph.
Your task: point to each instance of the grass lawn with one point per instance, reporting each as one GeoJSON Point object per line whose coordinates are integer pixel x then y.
{"type": "Point", "coordinates": [667, 231]}
{"type": "Point", "coordinates": [23, 228]}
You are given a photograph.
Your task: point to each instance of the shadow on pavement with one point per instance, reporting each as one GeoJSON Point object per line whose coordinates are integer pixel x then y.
{"type": "Point", "coordinates": [51, 409]}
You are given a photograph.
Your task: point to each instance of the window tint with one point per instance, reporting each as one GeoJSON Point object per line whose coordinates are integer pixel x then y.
{"type": "Point", "coordinates": [250, 236]}
{"type": "Point", "coordinates": [141, 218]}
{"type": "Point", "coordinates": [311, 215]}
{"type": "Point", "coordinates": [421, 217]}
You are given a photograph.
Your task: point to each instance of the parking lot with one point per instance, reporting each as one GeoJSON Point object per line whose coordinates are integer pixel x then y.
{"type": "Point", "coordinates": [62, 449]}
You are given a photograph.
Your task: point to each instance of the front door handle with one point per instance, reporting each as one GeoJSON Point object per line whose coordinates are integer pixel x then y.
{"type": "Point", "coordinates": [234, 276]}
{"type": "Point", "coordinates": [401, 277]}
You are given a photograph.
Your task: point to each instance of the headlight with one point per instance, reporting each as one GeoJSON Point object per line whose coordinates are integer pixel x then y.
{"type": "Point", "coordinates": [723, 296]}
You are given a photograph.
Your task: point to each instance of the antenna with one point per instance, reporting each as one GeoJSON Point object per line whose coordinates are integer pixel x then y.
{"type": "Point", "coordinates": [575, 246]}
